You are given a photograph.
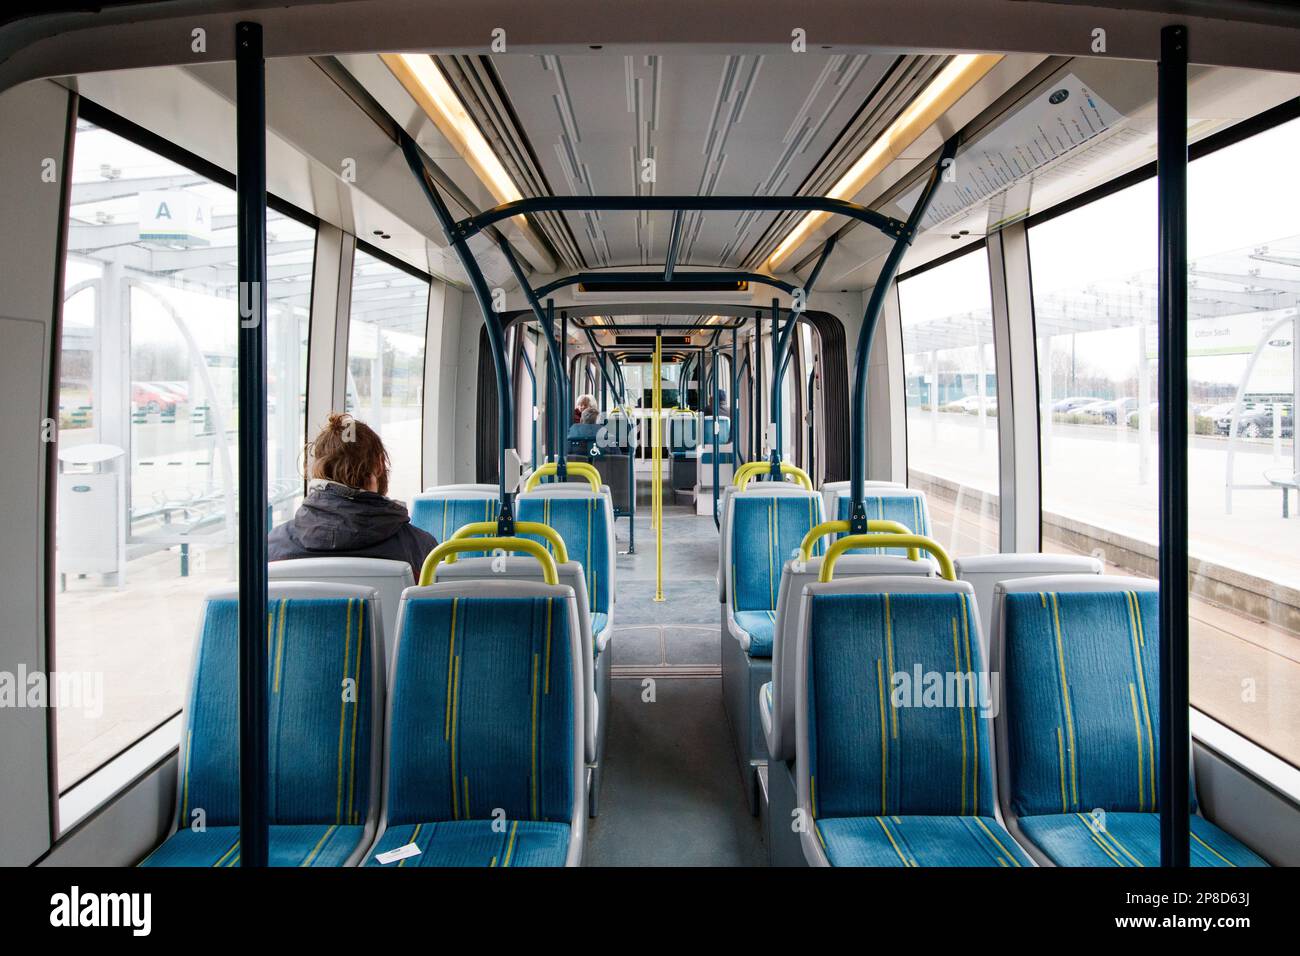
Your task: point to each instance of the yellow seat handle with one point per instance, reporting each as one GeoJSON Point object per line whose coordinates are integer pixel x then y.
{"type": "Point", "coordinates": [839, 527]}
{"type": "Point", "coordinates": [946, 569]}
{"type": "Point", "coordinates": [746, 473]}
{"type": "Point", "coordinates": [580, 468]}
{"type": "Point", "coordinates": [478, 528]}
{"type": "Point", "coordinates": [520, 545]}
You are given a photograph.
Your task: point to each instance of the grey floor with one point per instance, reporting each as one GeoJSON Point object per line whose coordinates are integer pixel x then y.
{"type": "Point", "coordinates": [672, 792]}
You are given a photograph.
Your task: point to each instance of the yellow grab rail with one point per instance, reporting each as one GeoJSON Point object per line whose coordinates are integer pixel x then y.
{"type": "Point", "coordinates": [946, 568]}
{"type": "Point", "coordinates": [838, 527]}
{"type": "Point", "coordinates": [521, 545]}
{"type": "Point", "coordinates": [478, 528]}
{"type": "Point", "coordinates": [746, 472]}
{"type": "Point", "coordinates": [580, 468]}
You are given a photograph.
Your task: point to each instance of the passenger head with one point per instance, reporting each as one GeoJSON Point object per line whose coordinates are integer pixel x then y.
{"type": "Point", "coordinates": [589, 416]}
{"type": "Point", "coordinates": [585, 401]}
{"type": "Point", "coordinates": [349, 452]}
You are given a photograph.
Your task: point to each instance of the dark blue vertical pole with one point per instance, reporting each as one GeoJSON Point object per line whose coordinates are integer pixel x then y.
{"type": "Point", "coordinates": [250, 228]}
{"type": "Point", "coordinates": [717, 417]}
{"type": "Point", "coordinates": [756, 392]}
{"type": "Point", "coordinates": [532, 377]}
{"type": "Point", "coordinates": [776, 389]}
{"type": "Point", "coordinates": [875, 305]}
{"type": "Point", "coordinates": [1171, 202]}
{"type": "Point", "coordinates": [734, 374]}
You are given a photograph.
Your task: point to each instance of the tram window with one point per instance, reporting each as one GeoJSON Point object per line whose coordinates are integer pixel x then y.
{"type": "Point", "coordinates": [951, 394]}
{"type": "Point", "coordinates": [1094, 294]}
{"type": "Point", "coordinates": [147, 427]}
{"type": "Point", "coordinates": [385, 387]}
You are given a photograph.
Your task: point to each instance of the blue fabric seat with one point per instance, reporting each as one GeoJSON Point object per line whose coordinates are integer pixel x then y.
{"type": "Point", "coordinates": [289, 845]}
{"type": "Point", "coordinates": [759, 625]}
{"type": "Point", "coordinates": [889, 775]}
{"type": "Point", "coordinates": [326, 696]}
{"type": "Point", "coordinates": [1126, 839]}
{"type": "Point", "coordinates": [906, 506]}
{"type": "Point", "coordinates": [485, 725]}
{"type": "Point", "coordinates": [599, 622]}
{"type": "Point", "coordinates": [440, 512]}
{"type": "Point", "coordinates": [1080, 724]}
{"type": "Point", "coordinates": [582, 521]}
{"type": "Point", "coordinates": [920, 841]}
{"type": "Point", "coordinates": [765, 532]}
{"type": "Point", "coordinates": [762, 528]}
{"type": "Point", "coordinates": [478, 843]}
{"type": "Point", "coordinates": [585, 522]}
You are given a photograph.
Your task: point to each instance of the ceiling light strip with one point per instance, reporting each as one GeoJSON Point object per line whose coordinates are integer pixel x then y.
{"type": "Point", "coordinates": [952, 83]}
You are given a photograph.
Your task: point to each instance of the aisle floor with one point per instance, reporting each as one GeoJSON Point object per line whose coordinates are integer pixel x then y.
{"type": "Point", "coordinates": [672, 793]}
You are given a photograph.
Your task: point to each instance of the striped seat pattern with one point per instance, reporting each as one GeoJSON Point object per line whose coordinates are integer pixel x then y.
{"type": "Point", "coordinates": [766, 531]}
{"type": "Point", "coordinates": [1083, 730]}
{"type": "Point", "coordinates": [481, 732]}
{"type": "Point", "coordinates": [899, 778]}
{"type": "Point", "coordinates": [906, 507]}
{"type": "Point", "coordinates": [580, 522]}
{"type": "Point", "coordinates": [441, 515]}
{"type": "Point", "coordinates": [321, 698]}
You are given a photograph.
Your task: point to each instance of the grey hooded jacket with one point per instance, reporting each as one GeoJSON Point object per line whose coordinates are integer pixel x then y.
{"type": "Point", "coordinates": [335, 520]}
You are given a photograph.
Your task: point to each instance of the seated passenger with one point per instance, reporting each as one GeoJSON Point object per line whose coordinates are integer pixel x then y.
{"type": "Point", "coordinates": [346, 512]}
{"type": "Point", "coordinates": [583, 436]}
{"type": "Point", "coordinates": [587, 427]}
{"type": "Point", "coordinates": [585, 401]}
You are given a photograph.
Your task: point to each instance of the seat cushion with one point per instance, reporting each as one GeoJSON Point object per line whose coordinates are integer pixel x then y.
{"type": "Point", "coordinates": [290, 845]}
{"type": "Point", "coordinates": [1114, 838]}
{"type": "Point", "coordinates": [919, 841]}
{"type": "Point", "coordinates": [765, 707]}
{"type": "Point", "coordinates": [476, 843]}
{"type": "Point", "coordinates": [759, 625]}
{"type": "Point", "coordinates": [599, 622]}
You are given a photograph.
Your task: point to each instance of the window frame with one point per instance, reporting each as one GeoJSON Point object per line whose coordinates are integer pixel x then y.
{"type": "Point", "coordinates": [108, 779]}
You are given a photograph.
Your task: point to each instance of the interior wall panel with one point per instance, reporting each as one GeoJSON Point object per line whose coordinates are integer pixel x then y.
{"type": "Point", "coordinates": [35, 118]}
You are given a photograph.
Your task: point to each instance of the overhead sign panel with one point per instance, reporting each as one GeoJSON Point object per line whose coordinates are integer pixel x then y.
{"type": "Point", "coordinates": [1006, 161]}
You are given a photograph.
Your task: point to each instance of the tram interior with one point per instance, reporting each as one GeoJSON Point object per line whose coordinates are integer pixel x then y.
{"type": "Point", "coordinates": [706, 631]}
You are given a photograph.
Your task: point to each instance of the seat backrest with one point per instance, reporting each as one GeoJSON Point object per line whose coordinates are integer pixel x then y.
{"type": "Point", "coordinates": [720, 425]}
{"type": "Point", "coordinates": [326, 692]}
{"type": "Point", "coordinates": [833, 491]}
{"type": "Point", "coordinates": [905, 505]}
{"type": "Point", "coordinates": [440, 511]}
{"type": "Point", "coordinates": [585, 521]}
{"type": "Point", "coordinates": [620, 431]}
{"type": "Point", "coordinates": [983, 571]}
{"type": "Point", "coordinates": [893, 700]}
{"type": "Point", "coordinates": [388, 578]}
{"type": "Point", "coordinates": [485, 705]}
{"type": "Point", "coordinates": [785, 637]}
{"type": "Point", "coordinates": [683, 432]}
{"type": "Point", "coordinates": [1079, 726]}
{"type": "Point", "coordinates": [513, 567]}
{"type": "Point", "coordinates": [725, 494]}
{"type": "Point", "coordinates": [766, 524]}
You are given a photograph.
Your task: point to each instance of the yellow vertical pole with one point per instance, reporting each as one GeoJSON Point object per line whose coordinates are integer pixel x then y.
{"type": "Point", "coordinates": [656, 479]}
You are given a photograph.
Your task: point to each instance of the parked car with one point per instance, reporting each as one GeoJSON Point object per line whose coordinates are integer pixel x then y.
{"type": "Point", "coordinates": [1109, 412]}
{"type": "Point", "coordinates": [1065, 405]}
{"type": "Point", "coordinates": [970, 404]}
{"type": "Point", "coordinates": [149, 397]}
{"type": "Point", "coordinates": [1257, 422]}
